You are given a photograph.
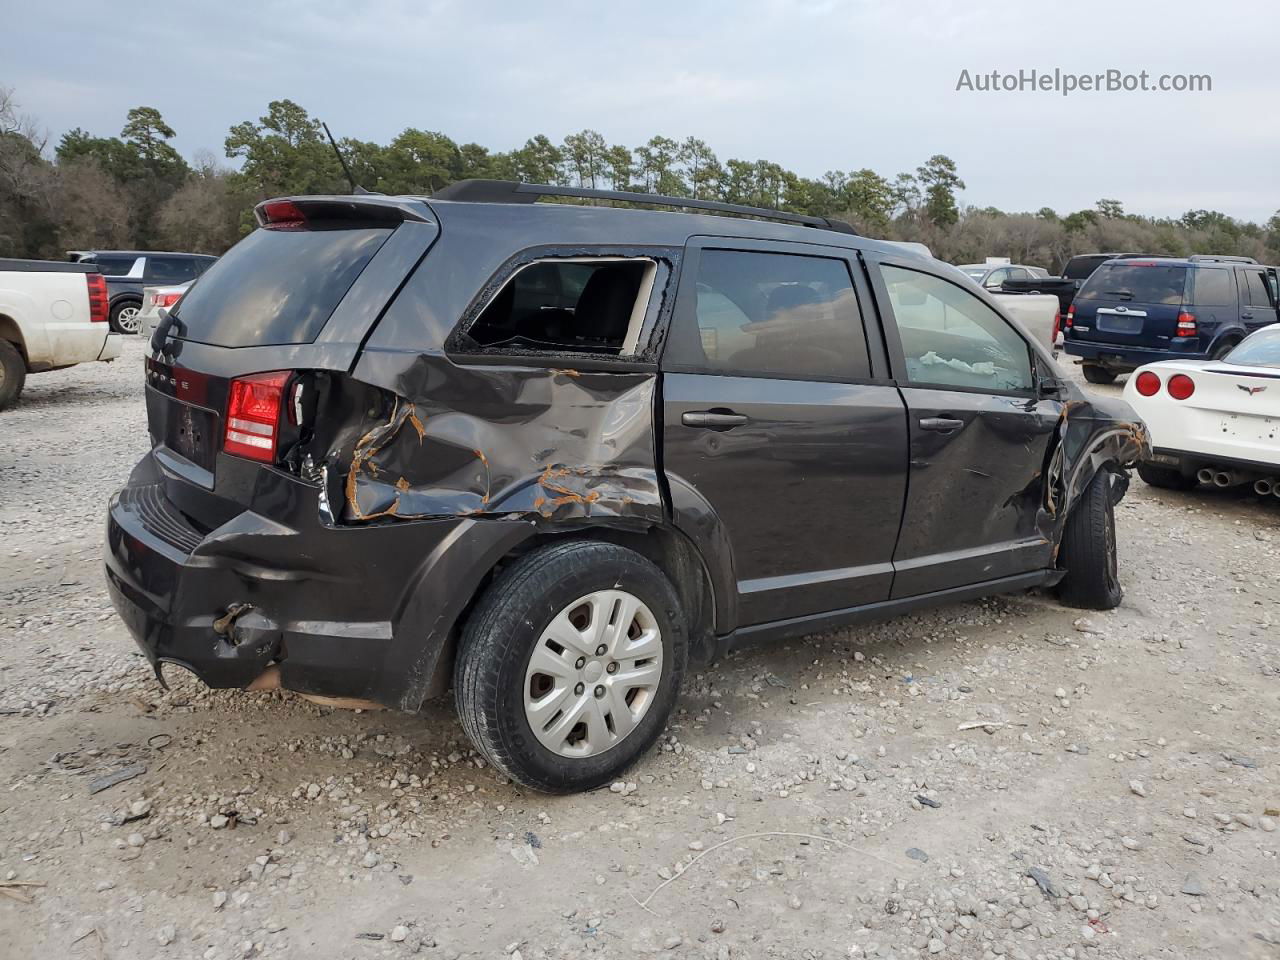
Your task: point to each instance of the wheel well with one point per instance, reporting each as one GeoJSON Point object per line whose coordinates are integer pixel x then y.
{"type": "Point", "coordinates": [666, 548]}
{"type": "Point", "coordinates": [9, 331]}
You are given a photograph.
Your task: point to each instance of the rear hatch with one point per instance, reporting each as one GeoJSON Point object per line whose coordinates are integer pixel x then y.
{"type": "Point", "coordinates": [228, 370]}
{"type": "Point", "coordinates": [1132, 303]}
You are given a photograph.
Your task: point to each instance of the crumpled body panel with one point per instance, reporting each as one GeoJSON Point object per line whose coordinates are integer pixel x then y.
{"type": "Point", "coordinates": [541, 443]}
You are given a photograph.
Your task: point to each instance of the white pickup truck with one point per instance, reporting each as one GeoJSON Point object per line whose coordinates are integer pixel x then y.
{"type": "Point", "coordinates": [52, 315]}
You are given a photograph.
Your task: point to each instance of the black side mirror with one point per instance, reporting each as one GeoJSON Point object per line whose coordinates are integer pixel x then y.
{"type": "Point", "coordinates": [1051, 388]}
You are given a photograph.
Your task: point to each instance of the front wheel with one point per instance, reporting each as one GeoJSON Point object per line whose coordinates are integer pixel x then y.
{"type": "Point", "coordinates": [570, 665]}
{"type": "Point", "coordinates": [13, 373]}
{"type": "Point", "coordinates": [126, 317]}
{"type": "Point", "coordinates": [1096, 374]}
{"type": "Point", "coordinates": [1088, 550]}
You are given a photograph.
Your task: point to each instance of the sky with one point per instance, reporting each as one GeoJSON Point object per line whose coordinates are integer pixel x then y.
{"type": "Point", "coordinates": [814, 85]}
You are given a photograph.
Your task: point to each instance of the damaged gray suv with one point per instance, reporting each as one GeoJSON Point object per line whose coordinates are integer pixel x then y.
{"type": "Point", "coordinates": [546, 453]}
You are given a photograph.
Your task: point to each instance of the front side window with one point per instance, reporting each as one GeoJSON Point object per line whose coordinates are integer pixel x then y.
{"type": "Point", "coordinates": [950, 338]}
{"type": "Point", "coordinates": [772, 315]}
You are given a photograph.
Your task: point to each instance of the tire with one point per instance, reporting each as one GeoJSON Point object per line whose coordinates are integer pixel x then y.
{"type": "Point", "coordinates": [1096, 374]}
{"type": "Point", "coordinates": [1165, 477]}
{"type": "Point", "coordinates": [126, 317]}
{"type": "Point", "coordinates": [1223, 350]}
{"type": "Point", "coordinates": [13, 373]}
{"type": "Point", "coordinates": [1088, 550]}
{"type": "Point", "coordinates": [499, 687]}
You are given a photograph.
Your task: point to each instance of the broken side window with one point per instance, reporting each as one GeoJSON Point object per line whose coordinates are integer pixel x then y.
{"type": "Point", "coordinates": [571, 304]}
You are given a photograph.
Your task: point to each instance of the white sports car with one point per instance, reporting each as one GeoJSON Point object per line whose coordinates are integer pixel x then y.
{"type": "Point", "coordinates": [1213, 421]}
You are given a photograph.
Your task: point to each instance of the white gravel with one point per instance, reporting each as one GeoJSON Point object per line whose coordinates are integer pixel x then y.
{"type": "Point", "coordinates": [815, 799]}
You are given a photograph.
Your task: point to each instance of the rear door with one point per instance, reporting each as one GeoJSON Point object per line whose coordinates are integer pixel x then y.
{"type": "Point", "coordinates": [979, 435]}
{"type": "Point", "coordinates": [781, 424]}
{"type": "Point", "coordinates": [1257, 297]}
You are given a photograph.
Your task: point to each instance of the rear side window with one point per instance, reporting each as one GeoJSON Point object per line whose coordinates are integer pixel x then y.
{"type": "Point", "coordinates": [951, 338]}
{"type": "Point", "coordinates": [165, 270]}
{"type": "Point", "coordinates": [772, 315]}
{"type": "Point", "coordinates": [574, 305]}
{"type": "Point", "coordinates": [1139, 282]}
{"type": "Point", "coordinates": [1210, 287]}
{"type": "Point", "coordinates": [275, 286]}
{"type": "Point", "coordinates": [114, 266]}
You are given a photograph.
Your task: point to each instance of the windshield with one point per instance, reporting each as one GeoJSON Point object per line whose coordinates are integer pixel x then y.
{"type": "Point", "coordinates": [1260, 350]}
{"type": "Point", "coordinates": [275, 286]}
{"type": "Point", "coordinates": [1139, 281]}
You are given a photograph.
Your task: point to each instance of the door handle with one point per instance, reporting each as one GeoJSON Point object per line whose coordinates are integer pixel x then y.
{"type": "Point", "coordinates": [940, 424]}
{"type": "Point", "coordinates": [1246, 316]}
{"type": "Point", "coordinates": [713, 419]}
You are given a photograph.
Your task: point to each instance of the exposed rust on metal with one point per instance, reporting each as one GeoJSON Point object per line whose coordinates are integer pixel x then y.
{"type": "Point", "coordinates": [368, 446]}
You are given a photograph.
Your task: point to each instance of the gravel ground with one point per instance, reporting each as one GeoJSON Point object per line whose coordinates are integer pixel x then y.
{"type": "Point", "coordinates": [1006, 778]}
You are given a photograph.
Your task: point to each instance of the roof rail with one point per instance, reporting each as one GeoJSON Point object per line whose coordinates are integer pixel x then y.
{"type": "Point", "coordinates": [1215, 258]}
{"type": "Point", "coordinates": [510, 191]}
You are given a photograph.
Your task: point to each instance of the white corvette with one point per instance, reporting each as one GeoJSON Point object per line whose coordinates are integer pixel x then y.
{"type": "Point", "coordinates": [1213, 421]}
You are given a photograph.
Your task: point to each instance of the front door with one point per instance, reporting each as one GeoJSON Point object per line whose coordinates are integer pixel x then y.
{"type": "Point", "coordinates": [979, 435]}
{"type": "Point", "coordinates": [781, 423]}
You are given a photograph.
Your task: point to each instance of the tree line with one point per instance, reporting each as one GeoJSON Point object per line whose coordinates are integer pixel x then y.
{"type": "Point", "coordinates": [134, 190]}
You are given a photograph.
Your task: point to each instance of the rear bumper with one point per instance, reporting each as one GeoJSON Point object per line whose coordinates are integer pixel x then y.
{"type": "Point", "coordinates": [363, 612]}
{"type": "Point", "coordinates": [112, 347]}
{"type": "Point", "coordinates": [1120, 358]}
{"type": "Point", "coordinates": [1189, 461]}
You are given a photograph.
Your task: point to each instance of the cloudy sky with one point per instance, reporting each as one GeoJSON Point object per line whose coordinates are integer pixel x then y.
{"type": "Point", "coordinates": [811, 84]}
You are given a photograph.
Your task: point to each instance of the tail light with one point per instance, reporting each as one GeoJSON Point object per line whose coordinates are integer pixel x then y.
{"type": "Point", "coordinates": [165, 299]}
{"type": "Point", "coordinates": [1181, 386]}
{"type": "Point", "coordinates": [254, 407]}
{"type": "Point", "coordinates": [1147, 383]}
{"type": "Point", "coordinates": [282, 215]}
{"type": "Point", "coordinates": [1186, 325]}
{"type": "Point", "coordinates": [1071, 316]}
{"type": "Point", "coordinates": [97, 297]}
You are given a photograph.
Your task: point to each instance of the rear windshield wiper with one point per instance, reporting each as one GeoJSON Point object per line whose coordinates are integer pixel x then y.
{"type": "Point", "coordinates": [1122, 294]}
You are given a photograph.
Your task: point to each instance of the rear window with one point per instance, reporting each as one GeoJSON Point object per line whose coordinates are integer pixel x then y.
{"type": "Point", "coordinates": [275, 286]}
{"type": "Point", "coordinates": [1138, 282]}
{"type": "Point", "coordinates": [1079, 268]}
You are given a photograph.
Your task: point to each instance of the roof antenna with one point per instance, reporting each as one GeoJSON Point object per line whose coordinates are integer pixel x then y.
{"type": "Point", "coordinates": [355, 187]}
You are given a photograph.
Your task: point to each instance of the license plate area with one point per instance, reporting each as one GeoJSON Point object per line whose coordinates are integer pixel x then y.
{"type": "Point", "coordinates": [1243, 426]}
{"type": "Point", "coordinates": [190, 431]}
{"type": "Point", "coordinates": [1108, 321]}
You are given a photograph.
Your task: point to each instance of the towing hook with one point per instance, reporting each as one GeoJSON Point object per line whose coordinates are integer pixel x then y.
{"type": "Point", "coordinates": [226, 623]}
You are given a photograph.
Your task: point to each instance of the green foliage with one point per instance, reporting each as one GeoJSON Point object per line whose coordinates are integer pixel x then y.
{"type": "Point", "coordinates": [135, 189]}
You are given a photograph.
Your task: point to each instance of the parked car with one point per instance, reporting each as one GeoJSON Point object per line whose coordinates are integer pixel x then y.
{"type": "Point", "coordinates": [1038, 314]}
{"type": "Point", "coordinates": [1076, 271]}
{"type": "Point", "coordinates": [546, 452]}
{"type": "Point", "coordinates": [155, 299]}
{"type": "Point", "coordinates": [1213, 421]}
{"type": "Point", "coordinates": [52, 315]}
{"type": "Point", "coordinates": [129, 271]}
{"type": "Point", "coordinates": [1134, 312]}
{"type": "Point", "coordinates": [993, 275]}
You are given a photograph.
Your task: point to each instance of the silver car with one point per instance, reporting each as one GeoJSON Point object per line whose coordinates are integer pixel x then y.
{"type": "Point", "coordinates": [155, 299]}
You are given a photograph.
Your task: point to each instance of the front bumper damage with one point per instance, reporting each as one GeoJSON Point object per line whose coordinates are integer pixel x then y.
{"type": "Point", "coordinates": [362, 613]}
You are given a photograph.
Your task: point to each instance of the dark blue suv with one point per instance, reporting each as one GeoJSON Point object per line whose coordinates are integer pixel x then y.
{"type": "Point", "coordinates": [1138, 311]}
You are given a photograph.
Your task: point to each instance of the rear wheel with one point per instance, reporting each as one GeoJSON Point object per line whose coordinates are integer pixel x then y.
{"type": "Point", "coordinates": [570, 665]}
{"type": "Point", "coordinates": [126, 317]}
{"type": "Point", "coordinates": [13, 373]}
{"type": "Point", "coordinates": [1166, 477]}
{"type": "Point", "coordinates": [1088, 550]}
{"type": "Point", "coordinates": [1096, 374]}
{"type": "Point", "coordinates": [1222, 350]}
